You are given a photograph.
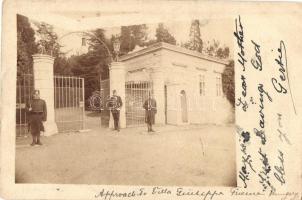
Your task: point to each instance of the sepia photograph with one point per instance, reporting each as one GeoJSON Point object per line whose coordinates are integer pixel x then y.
{"type": "Point", "coordinates": [142, 104]}
{"type": "Point", "coordinates": [112, 100]}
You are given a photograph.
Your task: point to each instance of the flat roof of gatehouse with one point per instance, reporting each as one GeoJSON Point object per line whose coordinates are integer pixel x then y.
{"type": "Point", "coordinates": [170, 47]}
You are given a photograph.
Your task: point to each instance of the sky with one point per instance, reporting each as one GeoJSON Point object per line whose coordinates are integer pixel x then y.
{"type": "Point", "coordinates": [218, 29]}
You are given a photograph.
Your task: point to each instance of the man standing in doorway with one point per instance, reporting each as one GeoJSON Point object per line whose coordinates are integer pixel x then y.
{"type": "Point", "coordinates": [38, 113]}
{"type": "Point", "coordinates": [150, 107]}
{"type": "Point", "coordinates": [115, 106]}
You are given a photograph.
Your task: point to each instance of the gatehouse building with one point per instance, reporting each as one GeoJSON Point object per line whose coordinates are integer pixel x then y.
{"type": "Point", "coordinates": [187, 86]}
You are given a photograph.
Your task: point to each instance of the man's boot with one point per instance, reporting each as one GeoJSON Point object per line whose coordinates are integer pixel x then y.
{"type": "Point", "coordinates": [33, 143]}
{"type": "Point", "coordinates": [38, 140]}
{"type": "Point", "coordinates": [118, 127]}
{"type": "Point", "coordinates": [34, 140]}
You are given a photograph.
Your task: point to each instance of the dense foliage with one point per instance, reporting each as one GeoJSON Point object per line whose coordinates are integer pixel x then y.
{"type": "Point", "coordinates": [26, 45]}
{"type": "Point", "coordinates": [163, 35]}
{"type": "Point", "coordinates": [94, 64]}
{"type": "Point", "coordinates": [228, 82]}
{"type": "Point", "coordinates": [47, 39]}
{"type": "Point", "coordinates": [132, 36]}
{"type": "Point", "coordinates": [195, 42]}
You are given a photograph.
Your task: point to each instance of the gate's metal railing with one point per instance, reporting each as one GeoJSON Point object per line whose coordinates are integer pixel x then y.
{"type": "Point", "coordinates": [136, 94]}
{"type": "Point", "coordinates": [69, 103]}
{"type": "Point", "coordinates": [105, 95]}
{"type": "Point", "coordinates": [25, 87]}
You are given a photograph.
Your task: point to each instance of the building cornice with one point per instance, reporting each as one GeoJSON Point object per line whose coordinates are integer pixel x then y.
{"type": "Point", "coordinates": [174, 48]}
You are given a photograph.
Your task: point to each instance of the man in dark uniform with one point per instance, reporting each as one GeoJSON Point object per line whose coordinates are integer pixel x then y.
{"type": "Point", "coordinates": [150, 107]}
{"type": "Point", "coordinates": [115, 107]}
{"type": "Point", "coordinates": [37, 113]}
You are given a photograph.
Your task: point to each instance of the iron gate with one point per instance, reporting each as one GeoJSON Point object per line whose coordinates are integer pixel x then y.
{"type": "Point", "coordinates": [69, 103]}
{"type": "Point", "coordinates": [105, 95]}
{"type": "Point", "coordinates": [25, 87]}
{"type": "Point", "coordinates": [136, 94]}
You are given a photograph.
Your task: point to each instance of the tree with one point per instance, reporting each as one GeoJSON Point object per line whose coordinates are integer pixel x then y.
{"type": "Point", "coordinates": [211, 48]}
{"type": "Point", "coordinates": [223, 52]}
{"type": "Point", "coordinates": [47, 42]}
{"type": "Point", "coordinates": [100, 52]}
{"type": "Point", "coordinates": [26, 45]}
{"type": "Point", "coordinates": [95, 63]}
{"type": "Point", "coordinates": [228, 82]}
{"type": "Point", "coordinates": [163, 35]}
{"type": "Point", "coordinates": [215, 50]}
{"type": "Point", "coordinates": [195, 42]}
{"type": "Point", "coordinates": [139, 33]}
{"type": "Point", "coordinates": [132, 36]}
{"type": "Point", "coordinates": [62, 66]}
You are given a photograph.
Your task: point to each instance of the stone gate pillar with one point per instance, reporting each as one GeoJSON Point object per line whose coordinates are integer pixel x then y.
{"type": "Point", "coordinates": [117, 82]}
{"type": "Point", "coordinates": [43, 81]}
{"type": "Point", "coordinates": [157, 76]}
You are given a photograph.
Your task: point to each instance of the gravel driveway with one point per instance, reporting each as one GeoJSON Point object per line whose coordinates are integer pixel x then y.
{"type": "Point", "coordinates": [174, 155]}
